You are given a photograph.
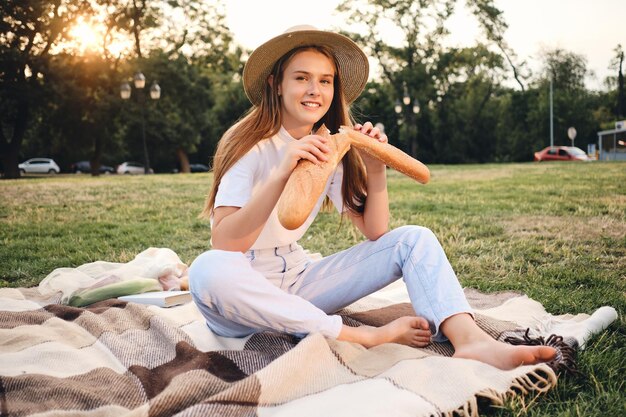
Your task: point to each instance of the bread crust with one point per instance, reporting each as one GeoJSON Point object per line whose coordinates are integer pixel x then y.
{"type": "Point", "coordinates": [389, 154]}
{"type": "Point", "coordinates": [308, 180]}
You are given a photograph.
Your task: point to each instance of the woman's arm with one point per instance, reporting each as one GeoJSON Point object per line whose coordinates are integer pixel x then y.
{"type": "Point", "coordinates": [375, 219]}
{"type": "Point", "coordinates": [236, 229]}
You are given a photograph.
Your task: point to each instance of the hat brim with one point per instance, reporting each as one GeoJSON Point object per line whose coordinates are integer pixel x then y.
{"type": "Point", "coordinates": [353, 63]}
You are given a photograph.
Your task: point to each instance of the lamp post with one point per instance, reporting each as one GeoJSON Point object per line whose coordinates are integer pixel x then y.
{"type": "Point", "coordinates": [399, 108]}
{"type": "Point", "coordinates": [139, 81]}
{"type": "Point", "coordinates": [551, 115]}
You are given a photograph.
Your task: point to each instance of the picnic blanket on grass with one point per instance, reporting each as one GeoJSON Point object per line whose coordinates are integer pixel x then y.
{"type": "Point", "coordinates": [123, 359]}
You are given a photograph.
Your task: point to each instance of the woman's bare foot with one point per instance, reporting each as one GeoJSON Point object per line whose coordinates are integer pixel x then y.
{"type": "Point", "coordinates": [504, 356]}
{"type": "Point", "coordinates": [471, 342]}
{"type": "Point", "coordinates": [409, 330]}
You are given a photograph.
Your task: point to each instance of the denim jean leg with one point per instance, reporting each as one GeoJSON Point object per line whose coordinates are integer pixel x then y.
{"type": "Point", "coordinates": [410, 252]}
{"type": "Point", "coordinates": [237, 300]}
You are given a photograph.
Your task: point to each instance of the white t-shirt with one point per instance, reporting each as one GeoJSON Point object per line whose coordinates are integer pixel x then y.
{"type": "Point", "coordinates": [248, 174]}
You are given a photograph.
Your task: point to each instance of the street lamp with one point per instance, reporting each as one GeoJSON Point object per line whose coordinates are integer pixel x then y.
{"type": "Point", "coordinates": [155, 91]}
{"type": "Point", "coordinates": [139, 81]}
{"type": "Point", "coordinates": [416, 106]}
{"type": "Point", "coordinates": [405, 98]}
{"type": "Point", "coordinates": [551, 114]}
{"type": "Point", "coordinates": [398, 108]}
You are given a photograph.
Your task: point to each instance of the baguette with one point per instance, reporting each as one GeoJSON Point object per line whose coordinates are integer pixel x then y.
{"type": "Point", "coordinates": [308, 180]}
{"type": "Point", "coordinates": [389, 154]}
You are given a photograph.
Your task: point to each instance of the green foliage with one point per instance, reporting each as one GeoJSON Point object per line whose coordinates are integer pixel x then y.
{"type": "Point", "coordinates": [28, 33]}
{"type": "Point", "coordinates": [617, 64]}
{"type": "Point", "coordinates": [80, 116]}
{"type": "Point", "coordinates": [61, 102]}
{"type": "Point", "coordinates": [467, 114]}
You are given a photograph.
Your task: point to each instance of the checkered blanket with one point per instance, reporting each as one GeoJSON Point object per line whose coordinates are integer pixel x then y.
{"type": "Point", "coordinates": [123, 359]}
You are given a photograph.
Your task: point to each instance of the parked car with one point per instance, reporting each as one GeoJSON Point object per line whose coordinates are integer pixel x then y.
{"type": "Point", "coordinates": [84, 167]}
{"type": "Point", "coordinates": [39, 166]}
{"type": "Point", "coordinates": [134, 168]}
{"type": "Point", "coordinates": [198, 168]}
{"type": "Point", "coordinates": [561, 153]}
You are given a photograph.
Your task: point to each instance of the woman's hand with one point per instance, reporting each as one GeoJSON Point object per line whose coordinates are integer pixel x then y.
{"type": "Point", "coordinates": [371, 164]}
{"type": "Point", "coordinates": [375, 219]}
{"type": "Point", "coordinates": [313, 148]}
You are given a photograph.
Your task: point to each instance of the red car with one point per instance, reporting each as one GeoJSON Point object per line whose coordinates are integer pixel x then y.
{"type": "Point", "coordinates": [561, 153]}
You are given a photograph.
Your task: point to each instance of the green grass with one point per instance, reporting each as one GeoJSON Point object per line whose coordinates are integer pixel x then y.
{"type": "Point", "coordinates": [556, 232]}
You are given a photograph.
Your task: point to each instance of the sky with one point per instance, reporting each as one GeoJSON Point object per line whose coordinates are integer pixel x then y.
{"type": "Point", "coordinates": [591, 28]}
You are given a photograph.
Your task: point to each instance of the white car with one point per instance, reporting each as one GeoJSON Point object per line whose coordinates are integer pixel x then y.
{"type": "Point", "coordinates": [39, 166]}
{"type": "Point", "coordinates": [132, 168]}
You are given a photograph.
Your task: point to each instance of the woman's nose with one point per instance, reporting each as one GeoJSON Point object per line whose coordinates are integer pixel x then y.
{"type": "Point", "coordinates": [313, 89]}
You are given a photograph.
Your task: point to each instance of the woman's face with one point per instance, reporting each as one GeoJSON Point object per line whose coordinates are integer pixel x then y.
{"type": "Point", "coordinates": [306, 91]}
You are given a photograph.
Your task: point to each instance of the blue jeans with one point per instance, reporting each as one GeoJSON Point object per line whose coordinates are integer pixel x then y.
{"type": "Point", "coordinates": [281, 289]}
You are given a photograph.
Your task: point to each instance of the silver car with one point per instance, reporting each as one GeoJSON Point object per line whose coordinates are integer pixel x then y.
{"type": "Point", "coordinates": [39, 166]}
{"type": "Point", "coordinates": [134, 168]}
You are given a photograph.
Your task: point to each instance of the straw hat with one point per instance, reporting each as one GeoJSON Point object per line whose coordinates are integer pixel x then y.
{"type": "Point", "coordinates": [353, 64]}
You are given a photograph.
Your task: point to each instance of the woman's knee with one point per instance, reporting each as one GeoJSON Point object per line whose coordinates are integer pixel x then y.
{"type": "Point", "coordinates": [208, 273]}
{"type": "Point", "coordinates": [414, 235]}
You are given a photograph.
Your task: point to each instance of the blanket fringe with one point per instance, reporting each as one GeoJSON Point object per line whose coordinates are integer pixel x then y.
{"type": "Point", "coordinates": [469, 409]}
{"type": "Point", "coordinates": [565, 360]}
{"type": "Point", "coordinates": [539, 380]}
{"type": "Point", "coordinates": [533, 381]}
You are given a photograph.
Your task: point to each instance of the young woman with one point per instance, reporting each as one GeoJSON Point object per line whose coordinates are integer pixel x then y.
{"type": "Point", "coordinates": [257, 277]}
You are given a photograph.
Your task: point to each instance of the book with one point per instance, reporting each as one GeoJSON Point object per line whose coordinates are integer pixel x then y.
{"type": "Point", "coordinates": [159, 298]}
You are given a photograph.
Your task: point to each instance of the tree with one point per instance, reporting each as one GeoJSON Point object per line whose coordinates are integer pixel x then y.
{"type": "Point", "coordinates": [174, 122]}
{"type": "Point", "coordinates": [515, 137]}
{"type": "Point", "coordinates": [82, 109]}
{"type": "Point", "coordinates": [408, 67]}
{"type": "Point", "coordinates": [29, 31]}
{"type": "Point", "coordinates": [424, 69]}
{"type": "Point", "coordinates": [231, 103]}
{"type": "Point", "coordinates": [572, 102]}
{"type": "Point", "coordinates": [492, 22]}
{"type": "Point", "coordinates": [54, 94]}
{"type": "Point", "coordinates": [617, 63]}
{"type": "Point", "coordinates": [185, 53]}
{"type": "Point", "coordinates": [465, 126]}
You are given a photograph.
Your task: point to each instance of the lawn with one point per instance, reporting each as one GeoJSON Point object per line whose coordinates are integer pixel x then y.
{"type": "Point", "coordinates": [556, 232]}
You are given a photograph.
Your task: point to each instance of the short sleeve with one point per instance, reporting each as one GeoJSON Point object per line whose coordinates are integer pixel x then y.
{"type": "Point", "coordinates": [334, 191]}
{"type": "Point", "coordinates": [235, 188]}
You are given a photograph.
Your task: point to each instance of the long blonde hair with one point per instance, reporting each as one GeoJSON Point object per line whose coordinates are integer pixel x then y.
{"type": "Point", "coordinates": [265, 120]}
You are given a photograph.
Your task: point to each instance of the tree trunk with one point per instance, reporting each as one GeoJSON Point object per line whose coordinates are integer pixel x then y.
{"type": "Point", "coordinates": [412, 130]}
{"type": "Point", "coordinates": [10, 163]}
{"type": "Point", "coordinates": [414, 147]}
{"type": "Point", "coordinates": [10, 150]}
{"type": "Point", "coordinates": [97, 156]}
{"type": "Point", "coordinates": [136, 23]}
{"type": "Point", "coordinates": [183, 160]}
{"type": "Point", "coordinates": [621, 100]}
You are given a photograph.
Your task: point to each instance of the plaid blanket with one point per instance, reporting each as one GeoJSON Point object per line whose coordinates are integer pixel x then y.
{"type": "Point", "coordinates": [123, 359]}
